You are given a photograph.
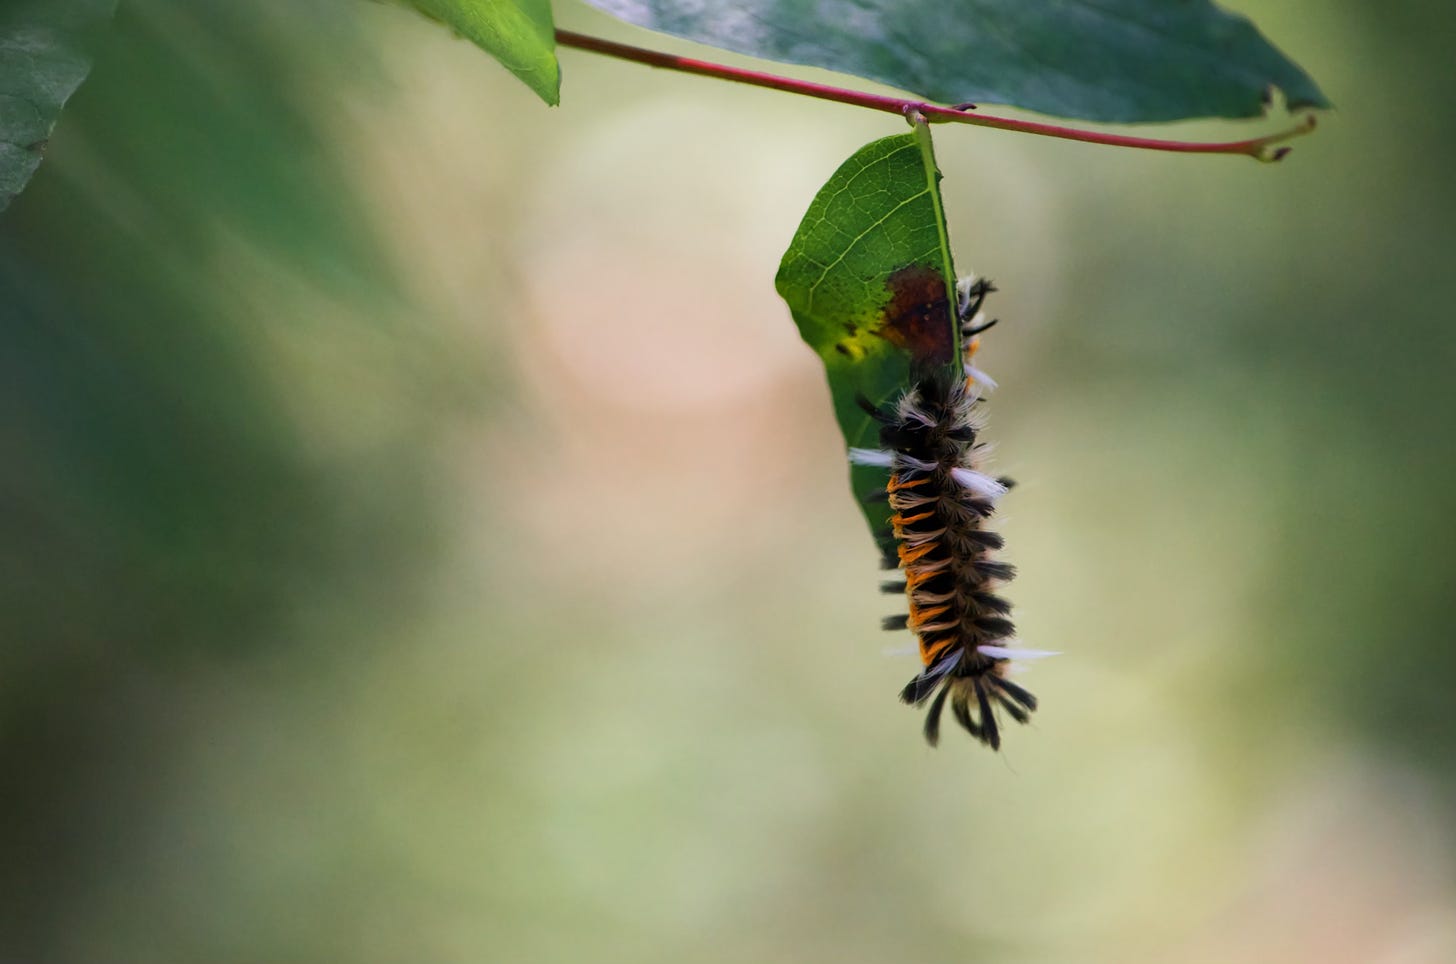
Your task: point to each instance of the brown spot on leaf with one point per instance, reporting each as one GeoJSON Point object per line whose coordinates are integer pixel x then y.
{"type": "Point", "coordinates": [918, 317]}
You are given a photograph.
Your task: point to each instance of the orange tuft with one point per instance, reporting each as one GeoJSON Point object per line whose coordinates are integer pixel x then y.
{"type": "Point", "coordinates": [897, 483]}
{"type": "Point", "coordinates": [902, 520]}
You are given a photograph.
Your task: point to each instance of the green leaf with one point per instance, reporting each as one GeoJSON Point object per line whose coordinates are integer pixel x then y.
{"type": "Point", "coordinates": [43, 60]}
{"type": "Point", "coordinates": [1102, 60]}
{"type": "Point", "coordinates": [518, 33]}
{"type": "Point", "coordinates": [870, 283]}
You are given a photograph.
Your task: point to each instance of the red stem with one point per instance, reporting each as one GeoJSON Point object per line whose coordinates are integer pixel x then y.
{"type": "Point", "coordinates": [1258, 147]}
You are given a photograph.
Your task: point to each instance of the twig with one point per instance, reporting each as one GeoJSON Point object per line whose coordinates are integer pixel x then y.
{"type": "Point", "coordinates": [1262, 148]}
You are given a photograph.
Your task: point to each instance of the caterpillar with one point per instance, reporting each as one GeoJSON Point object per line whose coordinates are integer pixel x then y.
{"type": "Point", "coordinates": [940, 502]}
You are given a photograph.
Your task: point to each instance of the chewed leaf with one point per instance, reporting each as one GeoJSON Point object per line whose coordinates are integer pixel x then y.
{"type": "Point", "coordinates": [870, 283]}
{"type": "Point", "coordinates": [518, 33]}
{"type": "Point", "coordinates": [43, 59]}
{"type": "Point", "coordinates": [1101, 60]}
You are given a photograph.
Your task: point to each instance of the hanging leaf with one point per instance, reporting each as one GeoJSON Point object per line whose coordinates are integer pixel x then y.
{"type": "Point", "coordinates": [869, 281]}
{"type": "Point", "coordinates": [518, 33]}
{"type": "Point", "coordinates": [43, 59]}
{"type": "Point", "coordinates": [1101, 60]}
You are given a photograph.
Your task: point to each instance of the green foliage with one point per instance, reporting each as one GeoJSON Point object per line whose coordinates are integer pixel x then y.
{"type": "Point", "coordinates": [518, 33]}
{"type": "Point", "coordinates": [184, 320]}
{"type": "Point", "coordinates": [1113, 60]}
{"type": "Point", "coordinates": [1109, 60]}
{"type": "Point", "coordinates": [43, 59]}
{"type": "Point", "coordinates": [869, 280]}
{"type": "Point", "coordinates": [139, 366]}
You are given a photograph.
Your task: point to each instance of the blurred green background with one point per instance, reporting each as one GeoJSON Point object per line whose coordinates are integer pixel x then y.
{"type": "Point", "coordinates": [426, 539]}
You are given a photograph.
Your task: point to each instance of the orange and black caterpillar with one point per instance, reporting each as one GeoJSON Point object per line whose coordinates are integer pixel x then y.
{"type": "Point", "coordinates": [940, 501]}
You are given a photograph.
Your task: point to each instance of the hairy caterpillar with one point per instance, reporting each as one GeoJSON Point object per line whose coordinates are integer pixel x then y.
{"type": "Point", "coordinates": [940, 501]}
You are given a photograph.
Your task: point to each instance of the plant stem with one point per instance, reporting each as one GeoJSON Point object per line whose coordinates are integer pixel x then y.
{"type": "Point", "coordinates": [1261, 148]}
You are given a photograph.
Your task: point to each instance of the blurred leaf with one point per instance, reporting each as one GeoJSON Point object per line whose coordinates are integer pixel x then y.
{"type": "Point", "coordinates": [43, 60]}
{"type": "Point", "coordinates": [870, 283]}
{"type": "Point", "coordinates": [149, 298]}
{"type": "Point", "coordinates": [1103, 60]}
{"type": "Point", "coordinates": [186, 319]}
{"type": "Point", "coordinates": [518, 33]}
